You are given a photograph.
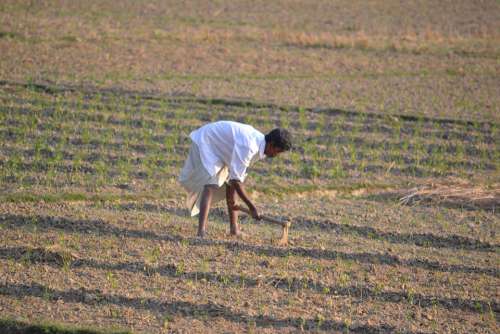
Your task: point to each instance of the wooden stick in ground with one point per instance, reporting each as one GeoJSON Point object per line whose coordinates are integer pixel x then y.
{"type": "Point", "coordinates": [284, 224]}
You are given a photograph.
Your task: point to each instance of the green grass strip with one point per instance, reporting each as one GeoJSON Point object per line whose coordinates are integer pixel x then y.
{"type": "Point", "coordinates": [9, 326]}
{"type": "Point", "coordinates": [280, 191]}
{"type": "Point", "coordinates": [272, 189]}
{"type": "Point", "coordinates": [69, 197]}
{"type": "Point", "coordinates": [54, 89]}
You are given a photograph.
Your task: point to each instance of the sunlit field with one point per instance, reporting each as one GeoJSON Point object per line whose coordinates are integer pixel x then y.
{"type": "Point", "coordinates": [392, 188]}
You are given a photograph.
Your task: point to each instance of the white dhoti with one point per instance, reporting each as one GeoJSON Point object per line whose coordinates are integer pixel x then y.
{"type": "Point", "coordinates": [194, 177]}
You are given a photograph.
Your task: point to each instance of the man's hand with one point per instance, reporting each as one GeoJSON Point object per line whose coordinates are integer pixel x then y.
{"type": "Point", "coordinates": [254, 213]}
{"type": "Point", "coordinates": [251, 210]}
{"type": "Point", "coordinates": [240, 189]}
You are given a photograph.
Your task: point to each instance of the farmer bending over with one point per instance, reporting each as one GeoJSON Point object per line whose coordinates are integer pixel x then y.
{"type": "Point", "coordinates": [217, 166]}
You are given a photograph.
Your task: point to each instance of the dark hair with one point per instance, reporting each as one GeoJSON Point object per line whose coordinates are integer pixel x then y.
{"type": "Point", "coordinates": [280, 138]}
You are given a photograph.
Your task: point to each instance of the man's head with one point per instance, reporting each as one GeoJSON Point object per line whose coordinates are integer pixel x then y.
{"type": "Point", "coordinates": [277, 141]}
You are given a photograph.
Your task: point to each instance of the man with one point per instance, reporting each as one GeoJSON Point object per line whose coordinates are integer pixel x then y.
{"type": "Point", "coordinates": [217, 166]}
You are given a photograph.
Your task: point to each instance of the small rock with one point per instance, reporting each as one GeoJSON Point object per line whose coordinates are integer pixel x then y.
{"type": "Point", "coordinates": [114, 299]}
{"type": "Point", "coordinates": [265, 264]}
{"type": "Point", "coordinates": [89, 297]}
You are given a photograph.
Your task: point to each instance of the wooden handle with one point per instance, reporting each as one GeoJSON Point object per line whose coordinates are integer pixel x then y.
{"type": "Point", "coordinates": [266, 218]}
{"type": "Point", "coordinates": [285, 225]}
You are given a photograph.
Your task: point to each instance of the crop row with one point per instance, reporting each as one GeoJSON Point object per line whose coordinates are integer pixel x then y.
{"type": "Point", "coordinates": [74, 135]}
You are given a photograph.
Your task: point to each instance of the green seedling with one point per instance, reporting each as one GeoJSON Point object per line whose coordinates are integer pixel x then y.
{"type": "Point", "coordinates": [113, 282]}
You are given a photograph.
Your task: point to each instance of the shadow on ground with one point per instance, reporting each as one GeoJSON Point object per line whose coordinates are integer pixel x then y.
{"type": "Point", "coordinates": [182, 308]}
{"type": "Point", "coordinates": [102, 228]}
{"type": "Point", "coordinates": [37, 255]}
{"type": "Point", "coordinates": [420, 239]}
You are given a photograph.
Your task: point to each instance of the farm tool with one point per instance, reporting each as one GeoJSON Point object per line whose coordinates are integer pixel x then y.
{"type": "Point", "coordinates": [285, 225]}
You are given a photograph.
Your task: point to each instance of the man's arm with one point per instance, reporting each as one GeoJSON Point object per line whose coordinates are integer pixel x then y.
{"type": "Point", "coordinates": [240, 189]}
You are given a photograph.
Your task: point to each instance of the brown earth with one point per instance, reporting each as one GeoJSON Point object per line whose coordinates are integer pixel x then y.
{"type": "Point", "coordinates": [384, 98]}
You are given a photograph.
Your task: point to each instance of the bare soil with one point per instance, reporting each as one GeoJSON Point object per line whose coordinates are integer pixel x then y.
{"type": "Point", "coordinates": [97, 100]}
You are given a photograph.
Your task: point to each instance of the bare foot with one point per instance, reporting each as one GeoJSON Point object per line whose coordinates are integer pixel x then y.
{"type": "Point", "coordinates": [239, 235]}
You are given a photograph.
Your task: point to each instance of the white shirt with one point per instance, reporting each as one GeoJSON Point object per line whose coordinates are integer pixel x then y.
{"type": "Point", "coordinates": [231, 144]}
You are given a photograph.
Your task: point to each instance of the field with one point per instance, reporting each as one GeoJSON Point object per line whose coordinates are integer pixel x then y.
{"type": "Point", "coordinates": [393, 187]}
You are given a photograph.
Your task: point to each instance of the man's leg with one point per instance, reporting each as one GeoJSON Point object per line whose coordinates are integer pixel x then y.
{"type": "Point", "coordinates": [233, 215]}
{"type": "Point", "coordinates": [206, 200]}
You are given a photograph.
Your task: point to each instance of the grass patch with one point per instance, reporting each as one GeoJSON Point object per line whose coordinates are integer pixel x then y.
{"type": "Point", "coordinates": [10, 34]}
{"type": "Point", "coordinates": [281, 191]}
{"type": "Point", "coordinates": [70, 39]}
{"type": "Point", "coordinates": [70, 197]}
{"type": "Point", "coordinates": [9, 326]}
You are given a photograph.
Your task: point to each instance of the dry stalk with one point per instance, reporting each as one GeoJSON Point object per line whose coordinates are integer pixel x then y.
{"type": "Point", "coordinates": [460, 194]}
